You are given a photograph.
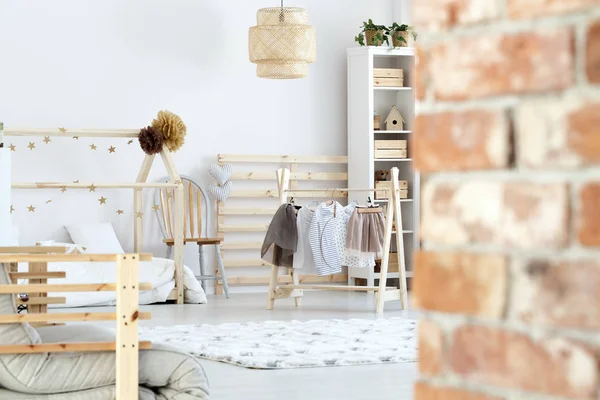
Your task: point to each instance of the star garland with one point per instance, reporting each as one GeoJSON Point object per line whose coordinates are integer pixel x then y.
{"type": "Point", "coordinates": [47, 140]}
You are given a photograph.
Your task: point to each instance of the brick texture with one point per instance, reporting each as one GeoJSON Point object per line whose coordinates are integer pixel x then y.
{"type": "Point", "coordinates": [423, 391]}
{"type": "Point", "coordinates": [536, 8]}
{"type": "Point", "coordinates": [552, 366]}
{"type": "Point", "coordinates": [592, 53]}
{"type": "Point", "coordinates": [421, 73]}
{"type": "Point", "coordinates": [434, 15]}
{"type": "Point", "coordinates": [498, 64]}
{"type": "Point", "coordinates": [557, 293]}
{"type": "Point", "coordinates": [508, 143]}
{"type": "Point", "coordinates": [523, 215]}
{"type": "Point", "coordinates": [431, 347]}
{"type": "Point", "coordinates": [474, 139]}
{"type": "Point", "coordinates": [470, 284]}
{"type": "Point", "coordinates": [558, 132]}
{"type": "Point", "coordinates": [588, 215]}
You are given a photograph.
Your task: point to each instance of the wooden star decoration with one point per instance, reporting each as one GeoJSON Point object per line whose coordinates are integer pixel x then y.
{"type": "Point", "coordinates": [156, 207]}
{"type": "Point", "coordinates": [48, 201]}
{"type": "Point", "coordinates": [63, 189]}
{"type": "Point", "coordinates": [77, 181]}
{"type": "Point", "coordinates": [12, 147]}
{"type": "Point", "coordinates": [102, 200]}
{"type": "Point", "coordinates": [139, 214]}
{"type": "Point", "coordinates": [76, 137]}
{"type": "Point", "coordinates": [31, 208]}
{"type": "Point", "coordinates": [120, 212]}
{"type": "Point", "coordinates": [112, 149]}
{"type": "Point", "coordinates": [31, 145]}
{"type": "Point", "coordinates": [62, 130]}
{"type": "Point", "coordinates": [93, 146]}
{"type": "Point", "coordinates": [47, 139]}
{"type": "Point", "coordinates": [129, 142]}
{"type": "Point", "coordinates": [92, 188]}
{"type": "Point", "coordinates": [12, 209]}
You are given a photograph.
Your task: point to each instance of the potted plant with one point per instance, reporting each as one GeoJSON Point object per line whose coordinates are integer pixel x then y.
{"type": "Point", "coordinates": [400, 34]}
{"type": "Point", "coordinates": [372, 34]}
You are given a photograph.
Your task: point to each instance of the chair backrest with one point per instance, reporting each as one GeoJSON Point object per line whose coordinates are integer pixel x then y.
{"type": "Point", "coordinates": [195, 219]}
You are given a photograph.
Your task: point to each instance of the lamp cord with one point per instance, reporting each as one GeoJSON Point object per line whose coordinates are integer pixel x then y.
{"type": "Point", "coordinates": [281, 15]}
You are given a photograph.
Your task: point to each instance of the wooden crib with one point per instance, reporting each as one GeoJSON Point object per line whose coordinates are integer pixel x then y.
{"type": "Point", "coordinates": [127, 315]}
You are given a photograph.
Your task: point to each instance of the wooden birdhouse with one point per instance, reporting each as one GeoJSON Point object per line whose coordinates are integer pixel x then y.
{"type": "Point", "coordinates": [394, 121]}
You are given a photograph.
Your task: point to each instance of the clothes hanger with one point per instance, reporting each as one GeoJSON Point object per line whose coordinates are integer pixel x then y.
{"type": "Point", "coordinates": [370, 209]}
{"type": "Point", "coordinates": [294, 204]}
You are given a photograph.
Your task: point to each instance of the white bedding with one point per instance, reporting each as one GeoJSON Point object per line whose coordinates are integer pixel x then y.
{"type": "Point", "coordinates": [159, 273]}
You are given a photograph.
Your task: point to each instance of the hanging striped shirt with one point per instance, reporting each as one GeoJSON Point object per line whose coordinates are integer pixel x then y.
{"type": "Point", "coordinates": [322, 241]}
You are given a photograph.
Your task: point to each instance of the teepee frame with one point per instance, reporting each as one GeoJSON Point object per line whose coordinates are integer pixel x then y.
{"type": "Point", "coordinates": [138, 186]}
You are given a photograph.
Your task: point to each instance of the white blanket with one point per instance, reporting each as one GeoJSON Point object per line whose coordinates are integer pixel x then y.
{"type": "Point", "coordinates": [159, 273]}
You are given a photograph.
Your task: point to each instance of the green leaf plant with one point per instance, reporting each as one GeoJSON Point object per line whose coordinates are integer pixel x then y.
{"type": "Point", "coordinates": [372, 33]}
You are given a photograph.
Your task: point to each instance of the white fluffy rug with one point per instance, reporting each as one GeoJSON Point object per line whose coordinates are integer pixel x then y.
{"type": "Point", "coordinates": [295, 344]}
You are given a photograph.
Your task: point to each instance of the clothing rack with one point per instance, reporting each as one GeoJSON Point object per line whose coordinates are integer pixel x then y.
{"type": "Point", "coordinates": [383, 294]}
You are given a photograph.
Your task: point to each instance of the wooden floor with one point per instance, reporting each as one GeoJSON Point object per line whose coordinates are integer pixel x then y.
{"type": "Point", "coordinates": [381, 382]}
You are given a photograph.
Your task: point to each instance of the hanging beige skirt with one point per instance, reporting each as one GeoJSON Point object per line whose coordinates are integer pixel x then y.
{"type": "Point", "coordinates": [365, 233]}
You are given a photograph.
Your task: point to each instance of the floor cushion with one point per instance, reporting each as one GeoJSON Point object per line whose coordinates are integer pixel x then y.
{"type": "Point", "coordinates": [165, 371]}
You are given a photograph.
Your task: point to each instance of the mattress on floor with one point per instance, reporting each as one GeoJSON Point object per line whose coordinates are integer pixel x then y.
{"type": "Point", "coordinates": [165, 372]}
{"type": "Point", "coordinates": [159, 273]}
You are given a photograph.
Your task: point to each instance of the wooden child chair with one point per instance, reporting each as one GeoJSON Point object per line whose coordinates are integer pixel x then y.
{"type": "Point", "coordinates": [193, 220]}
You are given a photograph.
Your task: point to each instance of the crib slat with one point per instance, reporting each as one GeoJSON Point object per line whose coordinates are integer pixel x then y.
{"type": "Point", "coordinates": [66, 347]}
{"type": "Point", "coordinates": [65, 287]}
{"type": "Point", "coordinates": [32, 258]}
{"type": "Point", "coordinates": [42, 300]}
{"type": "Point", "coordinates": [38, 275]}
{"type": "Point", "coordinates": [65, 317]}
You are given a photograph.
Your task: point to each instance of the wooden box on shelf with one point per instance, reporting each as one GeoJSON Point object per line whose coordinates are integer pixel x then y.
{"type": "Point", "coordinates": [386, 186]}
{"type": "Point", "coordinates": [377, 122]}
{"type": "Point", "coordinates": [390, 77]}
{"type": "Point", "coordinates": [390, 149]}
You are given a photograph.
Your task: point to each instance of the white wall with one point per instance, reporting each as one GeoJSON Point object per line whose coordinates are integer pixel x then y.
{"type": "Point", "coordinates": [401, 11]}
{"type": "Point", "coordinates": [114, 64]}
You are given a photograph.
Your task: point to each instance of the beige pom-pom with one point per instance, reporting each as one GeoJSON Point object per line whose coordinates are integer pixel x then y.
{"type": "Point", "coordinates": [172, 128]}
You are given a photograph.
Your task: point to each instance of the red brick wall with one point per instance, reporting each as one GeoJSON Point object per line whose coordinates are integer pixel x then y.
{"type": "Point", "coordinates": [508, 143]}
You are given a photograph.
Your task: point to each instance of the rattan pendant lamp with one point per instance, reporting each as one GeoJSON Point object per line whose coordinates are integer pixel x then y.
{"type": "Point", "coordinates": [282, 44]}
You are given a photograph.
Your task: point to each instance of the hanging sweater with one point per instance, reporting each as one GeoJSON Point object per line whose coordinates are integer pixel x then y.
{"type": "Point", "coordinates": [322, 240]}
{"type": "Point", "coordinates": [281, 239]}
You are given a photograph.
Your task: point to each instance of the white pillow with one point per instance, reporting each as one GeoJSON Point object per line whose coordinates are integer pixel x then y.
{"type": "Point", "coordinates": [70, 247]}
{"type": "Point", "coordinates": [97, 238]}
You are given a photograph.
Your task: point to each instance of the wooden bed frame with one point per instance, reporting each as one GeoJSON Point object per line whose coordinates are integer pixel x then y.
{"type": "Point", "coordinates": [127, 315]}
{"type": "Point", "coordinates": [138, 186]}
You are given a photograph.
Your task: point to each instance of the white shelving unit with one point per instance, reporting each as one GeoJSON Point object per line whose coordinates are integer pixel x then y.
{"type": "Point", "coordinates": [364, 99]}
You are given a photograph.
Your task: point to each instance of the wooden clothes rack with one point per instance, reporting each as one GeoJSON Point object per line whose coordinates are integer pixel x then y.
{"type": "Point", "coordinates": [295, 290]}
{"type": "Point", "coordinates": [175, 183]}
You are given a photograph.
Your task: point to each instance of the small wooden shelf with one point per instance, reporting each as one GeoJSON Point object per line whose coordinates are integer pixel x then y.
{"type": "Point", "coordinates": [393, 88]}
{"type": "Point", "coordinates": [391, 132]}
{"type": "Point", "coordinates": [392, 159]}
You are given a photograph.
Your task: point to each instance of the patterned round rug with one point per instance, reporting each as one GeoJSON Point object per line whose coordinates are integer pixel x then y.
{"type": "Point", "coordinates": [295, 344]}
